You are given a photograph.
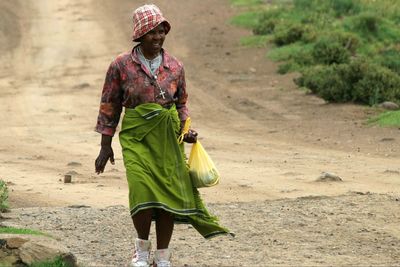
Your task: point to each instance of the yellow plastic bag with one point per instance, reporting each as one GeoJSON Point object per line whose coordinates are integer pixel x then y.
{"type": "Point", "coordinates": [201, 168]}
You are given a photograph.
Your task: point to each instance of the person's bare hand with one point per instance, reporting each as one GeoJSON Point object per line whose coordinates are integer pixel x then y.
{"type": "Point", "coordinates": [190, 137]}
{"type": "Point", "coordinates": [106, 153]}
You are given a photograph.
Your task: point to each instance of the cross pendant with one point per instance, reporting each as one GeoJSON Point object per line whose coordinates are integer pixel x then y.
{"type": "Point", "coordinates": [162, 93]}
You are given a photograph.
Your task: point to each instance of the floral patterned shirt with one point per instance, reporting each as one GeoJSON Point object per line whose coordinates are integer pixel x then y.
{"type": "Point", "coordinates": [128, 83]}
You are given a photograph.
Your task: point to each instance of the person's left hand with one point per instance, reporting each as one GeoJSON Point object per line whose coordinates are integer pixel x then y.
{"type": "Point", "coordinates": [190, 137]}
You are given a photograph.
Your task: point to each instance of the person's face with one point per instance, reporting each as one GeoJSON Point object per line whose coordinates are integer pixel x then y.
{"type": "Point", "coordinates": [152, 41]}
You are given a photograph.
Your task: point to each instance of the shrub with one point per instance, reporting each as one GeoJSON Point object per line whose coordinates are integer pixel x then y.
{"type": "Point", "coordinates": [57, 262]}
{"type": "Point", "coordinates": [288, 34]}
{"type": "Point", "coordinates": [345, 7]}
{"type": "Point", "coordinates": [366, 24]}
{"type": "Point", "coordinates": [327, 82]}
{"type": "Point", "coordinates": [360, 81]}
{"type": "Point", "coordinates": [329, 51]}
{"type": "Point", "coordinates": [265, 27]}
{"type": "Point", "coordinates": [335, 47]}
{"type": "Point", "coordinates": [304, 57]}
{"type": "Point", "coordinates": [348, 40]}
{"type": "Point", "coordinates": [3, 196]}
{"type": "Point", "coordinates": [304, 4]}
{"type": "Point", "coordinates": [286, 67]}
{"type": "Point", "coordinates": [377, 84]}
{"type": "Point", "coordinates": [390, 58]}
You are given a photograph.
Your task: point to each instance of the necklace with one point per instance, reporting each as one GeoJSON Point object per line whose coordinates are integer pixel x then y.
{"type": "Point", "coordinates": [162, 92]}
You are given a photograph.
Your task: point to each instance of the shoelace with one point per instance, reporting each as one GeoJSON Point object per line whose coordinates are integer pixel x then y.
{"type": "Point", "coordinates": [163, 264]}
{"type": "Point", "coordinates": [141, 256]}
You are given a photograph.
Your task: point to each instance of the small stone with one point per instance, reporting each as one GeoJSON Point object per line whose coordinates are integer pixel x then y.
{"type": "Point", "coordinates": [387, 139]}
{"type": "Point", "coordinates": [81, 86]}
{"type": "Point", "coordinates": [329, 177]}
{"type": "Point", "coordinates": [78, 206]}
{"type": "Point", "coordinates": [67, 179]}
{"type": "Point", "coordinates": [74, 164]}
{"type": "Point", "coordinates": [389, 105]}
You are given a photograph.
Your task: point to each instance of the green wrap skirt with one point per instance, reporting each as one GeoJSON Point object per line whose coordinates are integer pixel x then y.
{"type": "Point", "coordinates": [156, 169]}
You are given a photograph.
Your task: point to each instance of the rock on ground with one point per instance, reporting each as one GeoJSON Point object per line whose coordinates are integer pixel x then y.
{"type": "Point", "coordinates": [24, 250]}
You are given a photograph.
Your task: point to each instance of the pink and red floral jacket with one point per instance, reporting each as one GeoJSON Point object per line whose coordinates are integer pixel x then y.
{"type": "Point", "coordinates": [129, 84]}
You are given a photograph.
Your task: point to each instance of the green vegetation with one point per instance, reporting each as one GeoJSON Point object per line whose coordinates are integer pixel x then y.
{"type": "Point", "coordinates": [247, 20]}
{"type": "Point", "coordinates": [389, 118]}
{"type": "Point", "coordinates": [344, 50]}
{"type": "Point", "coordinates": [246, 2]}
{"type": "Point", "coordinates": [3, 196]}
{"type": "Point", "coordinates": [20, 231]}
{"type": "Point", "coordinates": [57, 262]}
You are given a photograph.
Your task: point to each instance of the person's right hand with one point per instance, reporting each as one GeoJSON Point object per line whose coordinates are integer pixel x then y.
{"type": "Point", "coordinates": [106, 153]}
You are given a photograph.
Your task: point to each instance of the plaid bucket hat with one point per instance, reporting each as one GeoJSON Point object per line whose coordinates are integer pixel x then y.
{"type": "Point", "coordinates": [145, 19]}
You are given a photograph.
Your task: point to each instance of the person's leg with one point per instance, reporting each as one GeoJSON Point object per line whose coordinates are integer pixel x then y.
{"type": "Point", "coordinates": [142, 223]}
{"type": "Point", "coordinates": [164, 228]}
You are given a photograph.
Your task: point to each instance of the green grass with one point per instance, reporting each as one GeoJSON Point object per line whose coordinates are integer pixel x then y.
{"type": "Point", "coordinates": [246, 2]}
{"type": "Point", "coordinates": [285, 52]}
{"type": "Point", "coordinates": [247, 20]}
{"type": "Point", "coordinates": [20, 231]}
{"type": "Point", "coordinates": [57, 262]}
{"type": "Point", "coordinates": [388, 118]}
{"type": "Point", "coordinates": [3, 196]}
{"type": "Point", "coordinates": [255, 40]}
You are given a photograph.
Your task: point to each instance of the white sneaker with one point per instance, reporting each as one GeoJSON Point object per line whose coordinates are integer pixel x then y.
{"type": "Point", "coordinates": [162, 258]}
{"type": "Point", "coordinates": [141, 255]}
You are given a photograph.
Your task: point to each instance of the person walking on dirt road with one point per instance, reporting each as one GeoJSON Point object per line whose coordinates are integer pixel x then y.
{"type": "Point", "coordinates": [150, 84]}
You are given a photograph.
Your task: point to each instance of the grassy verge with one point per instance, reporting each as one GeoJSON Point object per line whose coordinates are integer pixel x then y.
{"type": "Point", "coordinates": [57, 262]}
{"type": "Point", "coordinates": [345, 50]}
{"type": "Point", "coordinates": [4, 207]}
{"type": "Point", "coordinates": [21, 231]}
{"type": "Point", "coordinates": [389, 118]}
{"type": "Point", "coordinates": [3, 196]}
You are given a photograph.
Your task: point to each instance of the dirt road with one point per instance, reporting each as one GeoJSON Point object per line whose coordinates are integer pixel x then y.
{"type": "Point", "coordinates": [269, 140]}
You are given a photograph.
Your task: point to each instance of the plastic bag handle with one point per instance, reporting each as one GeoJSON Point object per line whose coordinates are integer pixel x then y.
{"type": "Point", "coordinates": [185, 130]}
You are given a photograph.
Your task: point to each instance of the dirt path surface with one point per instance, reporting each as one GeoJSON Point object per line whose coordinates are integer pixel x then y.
{"type": "Point", "coordinates": [349, 230]}
{"type": "Point", "coordinates": [269, 140]}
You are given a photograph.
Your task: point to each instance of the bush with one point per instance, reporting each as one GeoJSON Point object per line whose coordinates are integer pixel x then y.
{"type": "Point", "coordinates": [391, 59]}
{"type": "Point", "coordinates": [337, 7]}
{"type": "Point", "coordinates": [304, 57]}
{"type": "Point", "coordinates": [376, 85]}
{"type": "Point", "coordinates": [288, 34]}
{"type": "Point", "coordinates": [360, 81]}
{"type": "Point", "coordinates": [366, 24]}
{"type": "Point", "coordinates": [327, 82]}
{"type": "Point", "coordinates": [265, 27]}
{"type": "Point", "coordinates": [3, 196]}
{"type": "Point", "coordinates": [348, 40]}
{"type": "Point", "coordinates": [345, 7]}
{"type": "Point", "coordinates": [329, 51]}
{"type": "Point", "coordinates": [57, 262]}
{"type": "Point", "coordinates": [335, 47]}
{"type": "Point", "coordinates": [304, 4]}
{"type": "Point", "coordinates": [286, 67]}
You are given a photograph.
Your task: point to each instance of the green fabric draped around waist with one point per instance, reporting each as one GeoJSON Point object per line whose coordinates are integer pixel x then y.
{"type": "Point", "coordinates": [156, 168]}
